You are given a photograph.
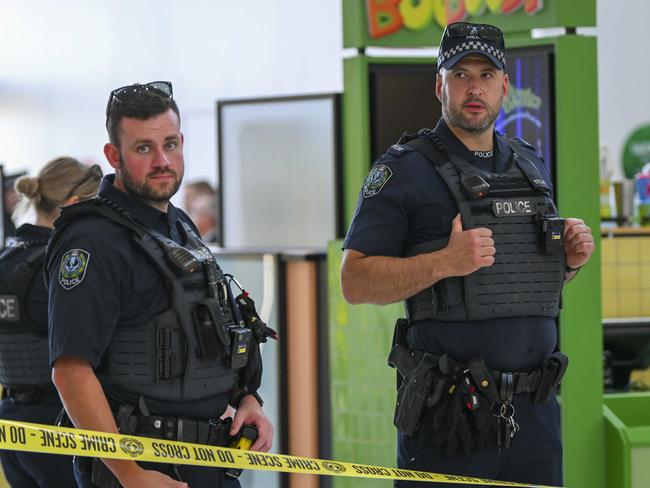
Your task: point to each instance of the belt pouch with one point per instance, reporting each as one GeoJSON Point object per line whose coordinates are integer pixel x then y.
{"type": "Point", "coordinates": [483, 379]}
{"type": "Point", "coordinates": [553, 371]}
{"type": "Point", "coordinates": [219, 434]}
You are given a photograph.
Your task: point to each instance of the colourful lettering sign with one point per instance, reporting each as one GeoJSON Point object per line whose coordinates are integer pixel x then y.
{"type": "Point", "coordinates": [386, 17]}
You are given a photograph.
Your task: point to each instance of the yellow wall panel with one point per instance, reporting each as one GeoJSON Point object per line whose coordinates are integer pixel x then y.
{"type": "Point", "coordinates": [625, 277]}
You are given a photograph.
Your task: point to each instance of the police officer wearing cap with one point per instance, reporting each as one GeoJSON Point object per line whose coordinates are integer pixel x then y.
{"type": "Point", "coordinates": [460, 223]}
{"type": "Point", "coordinates": [148, 336]}
{"type": "Point", "coordinates": [28, 394]}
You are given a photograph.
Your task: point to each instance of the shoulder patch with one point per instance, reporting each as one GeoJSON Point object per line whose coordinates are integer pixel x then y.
{"type": "Point", "coordinates": [376, 180]}
{"type": "Point", "coordinates": [74, 265]}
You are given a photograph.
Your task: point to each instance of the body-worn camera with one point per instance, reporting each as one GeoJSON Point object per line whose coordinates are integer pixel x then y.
{"type": "Point", "coordinates": [551, 234]}
{"type": "Point", "coordinates": [239, 341]}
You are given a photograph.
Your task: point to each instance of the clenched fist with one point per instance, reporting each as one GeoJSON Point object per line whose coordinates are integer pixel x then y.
{"type": "Point", "coordinates": [468, 250]}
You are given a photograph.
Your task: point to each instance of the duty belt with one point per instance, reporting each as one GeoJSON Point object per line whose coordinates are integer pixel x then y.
{"type": "Point", "coordinates": [466, 394]}
{"type": "Point", "coordinates": [212, 432]}
{"type": "Point", "coordinates": [507, 383]}
{"type": "Point", "coordinates": [133, 420]}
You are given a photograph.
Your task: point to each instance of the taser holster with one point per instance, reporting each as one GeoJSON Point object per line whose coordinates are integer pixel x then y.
{"type": "Point", "coordinates": [417, 386]}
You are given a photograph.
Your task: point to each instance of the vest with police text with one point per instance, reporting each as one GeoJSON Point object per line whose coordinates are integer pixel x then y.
{"type": "Point", "coordinates": [527, 276]}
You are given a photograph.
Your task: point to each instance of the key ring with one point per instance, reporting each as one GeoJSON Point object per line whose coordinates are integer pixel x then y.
{"type": "Point", "coordinates": [505, 413]}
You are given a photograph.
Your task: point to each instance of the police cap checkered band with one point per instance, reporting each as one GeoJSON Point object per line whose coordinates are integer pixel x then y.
{"type": "Point", "coordinates": [462, 38]}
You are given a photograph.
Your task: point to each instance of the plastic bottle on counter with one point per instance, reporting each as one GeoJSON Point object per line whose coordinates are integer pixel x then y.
{"type": "Point", "coordinates": [606, 193]}
{"type": "Point", "coordinates": [643, 194]}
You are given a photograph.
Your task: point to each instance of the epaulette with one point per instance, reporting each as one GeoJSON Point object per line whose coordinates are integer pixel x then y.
{"type": "Point", "coordinates": [525, 144]}
{"type": "Point", "coordinates": [398, 150]}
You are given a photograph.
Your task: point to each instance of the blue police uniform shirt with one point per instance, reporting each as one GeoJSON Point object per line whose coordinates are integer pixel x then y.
{"type": "Point", "coordinates": [120, 288]}
{"type": "Point", "coordinates": [414, 205]}
{"type": "Point", "coordinates": [36, 300]}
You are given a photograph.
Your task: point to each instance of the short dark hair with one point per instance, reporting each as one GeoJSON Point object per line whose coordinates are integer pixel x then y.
{"type": "Point", "coordinates": [145, 106]}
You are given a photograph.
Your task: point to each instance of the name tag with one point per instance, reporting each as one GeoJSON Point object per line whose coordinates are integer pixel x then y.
{"type": "Point", "coordinates": [513, 207]}
{"type": "Point", "coordinates": [9, 310]}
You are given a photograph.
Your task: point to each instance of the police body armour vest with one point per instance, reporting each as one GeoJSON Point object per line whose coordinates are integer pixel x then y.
{"type": "Point", "coordinates": [527, 276]}
{"type": "Point", "coordinates": [182, 354]}
{"type": "Point", "coordinates": [24, 351]}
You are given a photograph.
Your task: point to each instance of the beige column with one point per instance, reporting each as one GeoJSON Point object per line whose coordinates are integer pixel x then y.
{"type": "Point", "coordinates": [302, 354]}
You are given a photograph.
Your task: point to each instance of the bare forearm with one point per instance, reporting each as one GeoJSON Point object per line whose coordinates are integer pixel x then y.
{"type": "Point", "coordinates": [85, 402]}
{"type": "Point", "coordinates": [382, 279]}
{"type": "Point", "coordinates": [84, 399]}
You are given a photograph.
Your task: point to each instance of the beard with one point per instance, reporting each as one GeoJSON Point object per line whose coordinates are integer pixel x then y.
{"type": "Point", "coordinates": [456, 117]}
{"type": "Point", "coordinates": [148, 192]}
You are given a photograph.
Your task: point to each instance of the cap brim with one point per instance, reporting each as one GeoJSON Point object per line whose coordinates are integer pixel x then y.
{"type": "Point", "coordinates": [451, 62]}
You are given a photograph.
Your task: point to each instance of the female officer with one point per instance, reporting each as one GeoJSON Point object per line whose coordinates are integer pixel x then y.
{"type": "Point", "coordinates": [25, 374]}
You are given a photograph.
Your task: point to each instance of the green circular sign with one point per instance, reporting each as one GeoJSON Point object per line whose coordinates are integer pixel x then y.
{"type": "Point", "coordinates": [636, 151]}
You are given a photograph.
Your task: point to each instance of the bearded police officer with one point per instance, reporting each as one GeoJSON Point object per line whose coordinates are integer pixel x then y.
{"type": "Point", "coordinates": [459, 222]}
{"type": "Point", "coordinates": [147, 336]}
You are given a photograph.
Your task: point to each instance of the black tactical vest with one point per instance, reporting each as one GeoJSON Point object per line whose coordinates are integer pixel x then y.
{"type": "Point", "coordinates": [527, 276]}
{"type": "Point", "coordinates": [24, 351]}
{"type": "Point", "coordinates": [185, 352]}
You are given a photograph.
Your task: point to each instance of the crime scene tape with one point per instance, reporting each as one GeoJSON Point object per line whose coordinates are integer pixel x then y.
{"type": "Point", "coordinates": [24, 436]}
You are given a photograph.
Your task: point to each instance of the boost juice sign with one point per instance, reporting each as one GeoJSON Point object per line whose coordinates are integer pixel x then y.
{"type": "Point", "coordinates": [386, 17]}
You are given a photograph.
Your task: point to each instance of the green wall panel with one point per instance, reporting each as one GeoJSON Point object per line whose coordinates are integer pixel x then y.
{"type": "Point", "coordinates": [362, 385]}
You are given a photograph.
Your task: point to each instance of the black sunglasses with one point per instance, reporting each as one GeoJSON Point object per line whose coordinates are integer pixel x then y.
{"type": "Point", "coordinates": [129, 93]}
{"type": "Point", "coordinates": [465, 29]}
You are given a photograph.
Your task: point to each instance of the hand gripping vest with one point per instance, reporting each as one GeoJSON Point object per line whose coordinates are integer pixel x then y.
{"type": "Point", "coordinates": [527, 276]}
{"type": "Point", "coordinates": [184, 353]}
{"type": "Point", "coordinates": [24, 351]}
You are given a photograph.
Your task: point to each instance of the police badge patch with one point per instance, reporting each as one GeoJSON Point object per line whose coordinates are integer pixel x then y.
{"type": "Point", "coordinates": [74, 264]}
{"type": "Point", "coordinates": [376, 180]}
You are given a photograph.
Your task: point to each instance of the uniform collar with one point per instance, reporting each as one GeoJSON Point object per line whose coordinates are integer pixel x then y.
{"type": "Point", "coordinates": [28, 232]}
{"type": "Point", "coordinates": [146, 215]}
{"type": "Point", "coordinates": [502, 151]}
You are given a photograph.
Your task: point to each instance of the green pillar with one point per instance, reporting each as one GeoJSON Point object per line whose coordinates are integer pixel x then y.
{"type": "Point", "coordinates": [581, 330]}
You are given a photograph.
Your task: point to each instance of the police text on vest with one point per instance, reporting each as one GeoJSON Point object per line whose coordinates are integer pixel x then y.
{"type": "Point", "coordinates": [512, 207]}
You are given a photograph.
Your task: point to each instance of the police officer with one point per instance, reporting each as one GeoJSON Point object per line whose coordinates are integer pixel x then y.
{"type": "Point", "coordinates": [459, 222]}
{"type": "Point", "coordinates": [145, 327]}
{"type": "Point", "coordinates": [25, 374]}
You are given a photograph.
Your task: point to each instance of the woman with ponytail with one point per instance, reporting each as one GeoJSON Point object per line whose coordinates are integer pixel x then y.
{"type": "Point", "coordinates": [25, 375]}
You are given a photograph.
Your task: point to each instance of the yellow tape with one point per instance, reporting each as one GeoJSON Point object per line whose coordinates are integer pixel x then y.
{"type": "Point", "coordinates": [23, 436]}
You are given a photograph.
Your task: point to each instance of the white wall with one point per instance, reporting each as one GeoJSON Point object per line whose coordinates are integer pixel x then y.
{"type": "Point", "coordinates": [60, 59]}
{"type": "Point", "coordinates": [623, 72]}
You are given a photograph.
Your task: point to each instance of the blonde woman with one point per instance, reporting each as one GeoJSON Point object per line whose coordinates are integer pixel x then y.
{"type": "Point", "coordinates": [25, 374]}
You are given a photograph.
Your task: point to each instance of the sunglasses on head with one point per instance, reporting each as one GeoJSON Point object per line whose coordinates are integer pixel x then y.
{"type": "Point", "coordinates": [129, 93]}
{"type": "Point", "coordinates": [465, 29]}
